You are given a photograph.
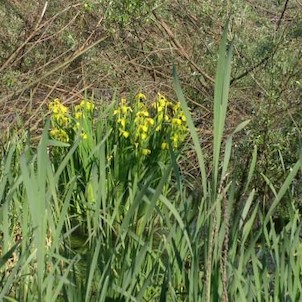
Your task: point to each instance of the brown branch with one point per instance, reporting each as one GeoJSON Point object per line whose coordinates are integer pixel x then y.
{"type": "Point", "coordinates": [76, 55]}
{"type": "Point", "coordinates": [39, 25]}
{"type": "Point", "coordinates": [264, 60]}
{"type": "Point", "coordinates": [21, 47]}
{"type": "Point", "coordinates": [181, 50]}
{"type": "Point", "coordinates": [282, 15]}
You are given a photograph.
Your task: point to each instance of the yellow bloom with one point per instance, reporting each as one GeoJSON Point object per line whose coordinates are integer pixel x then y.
{"type": "Point", "coordinates": [176, 121]}
{"type": "Point", "coordinates": [149, 121]}
{"type": "Point", "coordinates": [138, 120]}
{"type": "Point", "coordinates": [183, 117]}
{"type": "Point", "coordinates": [161, 98]}
{"type": "Point", "coordinates": [162, 101]}
{"type": "Point", "coordinates": [144, 128]}
{"type": "Point", "coordinates": [175, 139]}
{"type": "Point", "coordinates": [78, 115]}
{"type": "Point", "coordinates": [57, 107]}
{"type": "Point", "coordinates": [116, 111]}
{"type": "Point", "coordinates": [140, 97]}
{"type": "Point", "coordinates": [142, 113]}
{"type": "Point", "coordinates": [61, 119]}
{"type": "Point", "coordinates": [87, 105]}
{"type": "Point", "coordinates": [160, 108]}
{"type": "Point", "coordinates": [176, 107]}
{"type": "Point", "coordinates": [144, 136]}
{"type": "Point", "coordinates": [142, 107]}
{"type": "Point", "coordinates": [122, 122]}
{"type": "Point", "coordinates": [59, 134]}
{"type": "Point", "coordinates": [146, 151]}
{"type": "Point", "coordinates": [124, 133]}
{"type": "Point", "coordinates": [84, 135]}
{"type": "Point", "coordinates": [160, 117]}
{"type": "Point", "coordinates": [123, 108]}
{"type": "Point", "coordinates": [164, 146]}
{"type": "Point", "coordinates": [123, 101]}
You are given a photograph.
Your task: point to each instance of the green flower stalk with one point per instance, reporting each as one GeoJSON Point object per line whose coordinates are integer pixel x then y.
{"type": "Point", "coordinates": [123, 115]}
{"type": "Point", "coordinates": [83, 114]}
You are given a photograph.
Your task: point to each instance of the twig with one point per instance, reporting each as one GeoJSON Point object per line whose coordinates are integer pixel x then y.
{"type": "Point", "coordinates": [181, 50]}
{"type": "Point", "coordinates": [17, 51]}
{"type": "Point", "coordinates": [76, 55]}
{"type": "Point", "coordinates": [264, 60]}
{"type": "Point", "coordinates": [282, 14]}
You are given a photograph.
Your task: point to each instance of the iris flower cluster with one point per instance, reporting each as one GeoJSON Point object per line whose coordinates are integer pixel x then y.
{"type": "Point", "coordinates": [82, 115]}
{"type": "Point", "coordinates": [146, 128]}
{"type": "Point", "coordinates": [65, 123]}
{"type": "Point", "coordinates": [143, 127]}
{"type": "Point", "coordinates": [60, 121]}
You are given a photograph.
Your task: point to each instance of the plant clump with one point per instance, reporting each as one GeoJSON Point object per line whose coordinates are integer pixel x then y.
{"type": "Point", "coordinates": [138, 128]}
{"type": "Point", "coordinates": [66, 123]}
{"type": "Point", "coordinates": [150, 129]}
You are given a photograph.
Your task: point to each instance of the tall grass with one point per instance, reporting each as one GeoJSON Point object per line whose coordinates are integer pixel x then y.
{"type": "Point", "coordinates": [71, 230]}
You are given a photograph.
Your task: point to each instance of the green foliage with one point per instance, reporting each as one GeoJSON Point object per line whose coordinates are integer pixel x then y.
{"type": "Point", "coordinates": [128, 11]}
